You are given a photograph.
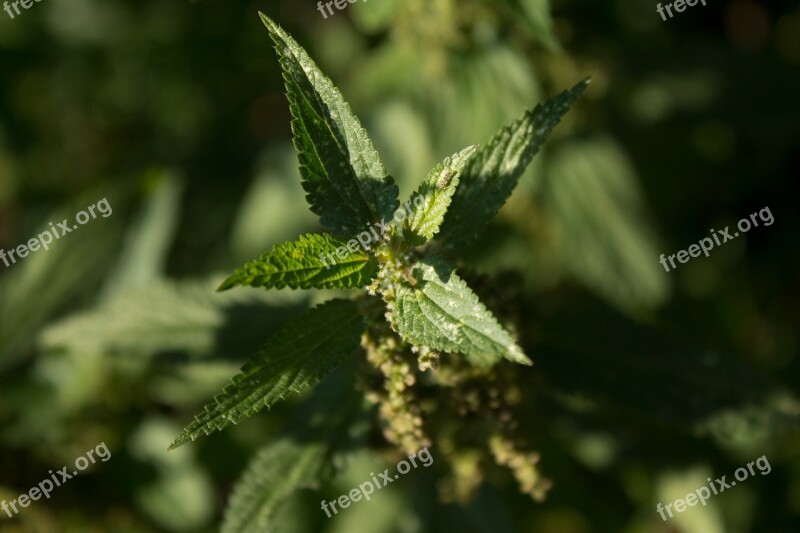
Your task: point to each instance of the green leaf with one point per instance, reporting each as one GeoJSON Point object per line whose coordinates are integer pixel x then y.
{"type": "Point", "coordinates": [271, 209]}
{"type": "Point", "coordinates": [178, 493]}
{"type": "Point", "coordinates": [298, 265]}
{"type": "Point", "coordinates": [296, 358]}
{"type": "Point", "coordinates": [592, 180]}
{"type": "Point", "coordinates": [436, 190]}
{"type": "Point", "coordinates": [150, 235]}
{"type": "Point", "coordinates": [374, 17]}
{"type": "Point", "coordinates": [278, 471]}
{"type": "Point", "coordinates": [658, 375]}
{"type": "Point", "coordinates": [322, 439]}
{"type": "Point", "coordinates": [441, 312]}
{"type": "Point", "coordinates": [343, 176]}
{"type": "Point", "coordinates": [493, 173]}
{"type": "Point", "coordinates": [168, 316]}
{"type": "Point", "coordinates": [72, 267]}
{"type": "Point", "coordinates": [536, 14]}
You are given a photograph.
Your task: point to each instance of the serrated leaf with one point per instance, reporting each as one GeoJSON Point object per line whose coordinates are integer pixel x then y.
{"type": "Point", "coordinates": [343, 176]}
{"type": "Point", "coordinates": [436, 190]}
{"type": "Point", "coordinates": [492, 174]}
{"type": "Point", "coordinates": [296, 358]}
{"type": "Point", "coordinates": [322, 437]}
{"type": "Point", "coordinates": [298, 265]}
{"type": "Point", "coordinates": [278, 471]}
{"type": "Point", "coordinates": [168, 316]}
{"type": "Point", "coordinates": [443, 313]}
{"type": "Point", "coordinates": [590, 180]}
{"type": "Point", "coordinates": [71, 268]}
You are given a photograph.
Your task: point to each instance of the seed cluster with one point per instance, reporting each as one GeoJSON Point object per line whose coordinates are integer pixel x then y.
{"type": "Point", "coordinates": [485, 399]}
{"type": "Point", "coordinates": [398, 405]}
{"type": "Point", "coordinates": [522, 465]}
{"type": "Point", "coordinates": [469, 410]}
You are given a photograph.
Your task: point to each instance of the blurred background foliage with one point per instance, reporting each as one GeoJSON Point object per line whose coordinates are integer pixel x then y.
{"type": "Point", "coordinates": [645, 382]}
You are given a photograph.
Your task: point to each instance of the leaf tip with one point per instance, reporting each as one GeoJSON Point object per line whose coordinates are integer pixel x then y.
{"type": "Point", "coordinates": [177, 443]}
{"type": "Point", "coordinates": [229, 283]}
{"type": "Point", "coordinates": [518, 356]}
{"type": "Point", "coordinates": [581, 86]}
{"type": "Point", "coordinates": [266, 20]}
{"type": "Point", "coordinates": [274, 29]}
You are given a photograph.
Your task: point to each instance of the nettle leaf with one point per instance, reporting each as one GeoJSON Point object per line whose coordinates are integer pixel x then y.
{"type": "Point", "coordinates": [536, 13]}
{"type": "Point", "coordinates": [440, 311]}
{"type": "Point", "coordinates": [437, 189]}
{"type": "Point", "coordinates": [298, 265]}
{"type": "Point", "coordinates": [679, 381]}
{"type": "Point", "coordinates": [174, 317]}
{"type": "Point", "coordinates": [279, 470]}
{"type": "Point", "coordinates": [589, 180]}
{"type": "Point", "coordinates": [342, 173]}
{"type": "Point", "coordinates": [492, 174]}
{"type": "Point", "coordinates": [263, 496]}
{"type": "Point", "coordinates": [296, 358]}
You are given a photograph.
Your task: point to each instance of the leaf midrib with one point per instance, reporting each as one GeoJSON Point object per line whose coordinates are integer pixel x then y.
{"type": "Point", "coordinates": [306, 353]}
{"type": "Point", "coordinates": [463, 324]}
{"type": "Point", "coordinates": [342, 150]}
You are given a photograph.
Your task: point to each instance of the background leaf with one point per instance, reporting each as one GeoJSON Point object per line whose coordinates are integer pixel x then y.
{"type": "Point", "coordinates": [180, 494]}
{"type": "Point", "coordinates": [536, 14]}
{"type": "Point", "coordinates": [327, 425]}
{"type": "Point", "coordinates": [604, 237]}
{"type": "Point", "coordinates": [175, 318]}
{"type": "Point", "coordinates": [277, 471]}
{"type": "Point", "coordinates": [78, 262]}
{"type": "Point", "coordinates": [675, 379]}
{"type": "Point", "coordinates": [147, 242]}
{"type": "Point", "coordinates": [272, 209]}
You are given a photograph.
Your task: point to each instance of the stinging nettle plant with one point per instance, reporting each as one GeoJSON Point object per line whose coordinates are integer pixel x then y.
{"type": "Point", "coordinates": [418, 322]}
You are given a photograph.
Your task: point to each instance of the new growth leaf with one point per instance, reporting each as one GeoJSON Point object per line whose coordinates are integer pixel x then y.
{"type": "Point", "coordinates": [437, 190]}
